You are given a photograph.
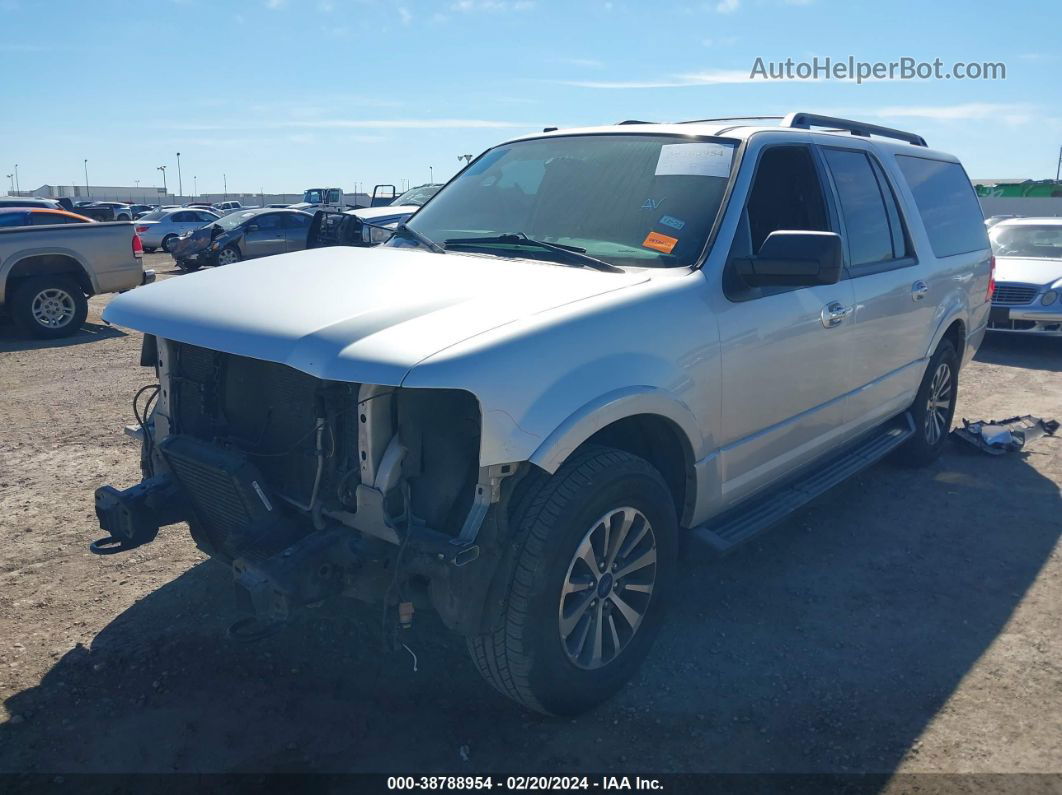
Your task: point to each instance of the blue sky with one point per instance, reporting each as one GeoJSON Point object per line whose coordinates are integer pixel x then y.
{"type": "Point", "coordinates": [285, 94]}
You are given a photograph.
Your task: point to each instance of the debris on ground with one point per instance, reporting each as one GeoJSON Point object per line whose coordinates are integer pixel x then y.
{"type": "Point", "coordinates": [997, 437]}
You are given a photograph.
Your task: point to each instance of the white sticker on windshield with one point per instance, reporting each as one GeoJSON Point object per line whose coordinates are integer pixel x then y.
{"type": "Point", "coordinates": [695, 159]}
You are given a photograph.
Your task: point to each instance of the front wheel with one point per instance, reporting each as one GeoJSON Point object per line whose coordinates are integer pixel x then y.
{"type": "Point", "coordinates": [933, 409]}
{"type": "Point", "coordinates": [228, 255]}
{"type": "Point", "coordinates": [590, 584]}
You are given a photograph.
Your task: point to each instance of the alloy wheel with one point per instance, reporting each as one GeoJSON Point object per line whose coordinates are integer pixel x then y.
{"type": "Point", "coordinates": [53, 307]}
{"type": "Point", "coordinates": [607, 588]}
{"type": "Point", "coordinates": [938, 405]}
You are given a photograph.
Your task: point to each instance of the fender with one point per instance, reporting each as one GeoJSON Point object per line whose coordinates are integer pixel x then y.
{"type": "Point", "coordinates": [952, 308]}
{"type": "Point", "coordinates": [608, 408]}
{"type": "Point", "coordinates": [11, 261]}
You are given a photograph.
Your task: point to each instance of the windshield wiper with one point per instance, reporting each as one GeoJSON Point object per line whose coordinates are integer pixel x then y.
{"type": "Point", "coordinates": [573, 253]}
{"type": "Point", "coordinates": [408, 232]}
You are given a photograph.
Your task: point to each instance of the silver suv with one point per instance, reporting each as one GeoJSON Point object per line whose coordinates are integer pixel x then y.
{"type": "Point", "coordinates": [589, 344]}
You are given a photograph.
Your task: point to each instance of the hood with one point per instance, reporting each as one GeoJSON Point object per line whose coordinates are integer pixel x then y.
{"type": "Point", "coordinates": [1028, 270]}
{"type": "Point", "coordinates": [364, 315]}
{"type": "Point", "coordinates": [385, 214]}
{"type": "Point", "coordinates": [197, 241]}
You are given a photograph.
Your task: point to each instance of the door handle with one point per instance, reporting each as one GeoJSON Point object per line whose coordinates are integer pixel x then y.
{"type": "Point", "coordinates": [919, 290]}
{"type": "Point", "coordinates": [834, 313]}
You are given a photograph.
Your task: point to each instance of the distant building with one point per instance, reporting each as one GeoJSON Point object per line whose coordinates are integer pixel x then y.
{"type": "Point", "coordinates": [153, 195]}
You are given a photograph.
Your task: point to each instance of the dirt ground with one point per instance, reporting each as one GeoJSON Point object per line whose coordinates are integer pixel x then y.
{"type": "Point", "coordinates": [908, 621]}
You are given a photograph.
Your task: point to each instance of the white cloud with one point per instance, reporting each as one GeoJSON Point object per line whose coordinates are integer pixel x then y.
{"type": "Point", "coordinates": [275, 4]}
{"type": "Point", "coordinates": [405, 15]}
{"type": "Point", "coordinates": [727, 6]}
{"type": "Point", "coordinates": [716, 77]}
{"type": "Point", "coordinates": [468, 6]}
{"type": "Point", "coordinates": [1010, 113]}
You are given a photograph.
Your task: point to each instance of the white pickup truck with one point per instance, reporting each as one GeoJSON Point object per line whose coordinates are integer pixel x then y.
{"type": "Point", "coordinates": [47, 273]}
{"type": "Point", "coordinates": [588, 346]}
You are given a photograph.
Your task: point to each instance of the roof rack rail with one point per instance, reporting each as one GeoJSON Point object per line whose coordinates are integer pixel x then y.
{"type": "Point", "coordinates": [808, 120]}
{"type": "Point", "coordinates": [634, 121]}
{"type": "Point", "coordinates": [731, 118]}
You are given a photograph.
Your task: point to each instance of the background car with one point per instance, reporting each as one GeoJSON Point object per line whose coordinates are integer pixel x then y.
{"type": "Point", "coordinates": [121, 210]}
{"type": "Point", "coordinates": [38, 216]}
{"type": "Point", "coordinates": [227, 207]}
{"type": "Point", "coordinates": [22, 201]}
{"type": "Point", "coordinates": [416, 196]}
{"type": "Point", "coordinates": [243, 235]}
{"type": "Point", "coordinates": [161, 228]}
{"type": "Point", "coordinates": [1028, 294]}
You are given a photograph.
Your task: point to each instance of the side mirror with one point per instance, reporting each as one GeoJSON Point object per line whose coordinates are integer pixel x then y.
{"type": "Point", "coordinates": [794, 259]}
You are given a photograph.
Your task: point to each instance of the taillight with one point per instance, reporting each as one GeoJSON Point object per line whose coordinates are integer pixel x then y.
{"type": "Point", "coordinates": [991, 277]}
{"type": "Point", "coordinates": [138, 247]}
{"type": "Point", "coordinates": [141, 230]}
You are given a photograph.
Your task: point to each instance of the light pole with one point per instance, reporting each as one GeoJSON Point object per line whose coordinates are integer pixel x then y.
{"type": "Point", "coordinates": [86, 179]}
{"type": "Point", "coordinates": [466, 158]}
{"type": "Point", "coordinates": [165, 190]}
{"type": "Point", "coordinates": [180, 183]}
{"type": "Point", "coordinates": [18, 188]}
{"type": "Point", "coordinates": [225, 182]}
{"type": "Point", "coordinates": [431, 175]}
{"type": "Point", "coordinates": [11, 177]}
{"type": "Point", "coordinates": [195, 186]}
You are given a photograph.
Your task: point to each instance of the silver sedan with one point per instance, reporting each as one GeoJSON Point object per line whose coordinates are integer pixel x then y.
{"type": "Point", "coordinates": [161, 228]}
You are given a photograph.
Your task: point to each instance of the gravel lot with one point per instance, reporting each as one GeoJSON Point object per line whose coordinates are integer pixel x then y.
{"type": "Point", "coordinates": [909, 620]}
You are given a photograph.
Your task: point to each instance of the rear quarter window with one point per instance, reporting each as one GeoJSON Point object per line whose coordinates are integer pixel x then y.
{"type": "Point", "coordinates": [947, 204]}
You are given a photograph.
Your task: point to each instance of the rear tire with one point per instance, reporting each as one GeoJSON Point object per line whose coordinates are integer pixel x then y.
{"type": "Point", "coordinates": [560, 652]}
{"type": "Point", "coordinates": [167, 243]}
{"type": "Point", "coordinates": [187, 266]}
{"type": "Point", "coordinates": [49, 307]}
{"type": "Point", "coordinates": [933, 409]}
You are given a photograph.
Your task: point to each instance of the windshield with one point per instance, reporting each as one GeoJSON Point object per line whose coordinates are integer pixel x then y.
{"type": "Point", "coordinates": [313, 196]}
{"type": "Point", "coordinates": [417, 195]}
{"type": "Point", "coordinates": [636, 200]}
{"type": "Point", "coordinates": [232, 220]}
{"type": "Point", "coordinates": [1027, 240]}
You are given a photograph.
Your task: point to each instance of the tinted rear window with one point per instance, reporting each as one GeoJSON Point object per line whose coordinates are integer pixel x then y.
{"type": "Point", "coordinates": [947, 203]}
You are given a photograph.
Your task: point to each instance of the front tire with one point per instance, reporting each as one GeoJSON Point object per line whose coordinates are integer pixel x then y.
{"type": "Point", "coordinates": [228, 255]}
{"type": "Point", "coordinates": [187, 266]}
{"type": "Point", "coordinates": [933, 409]}
{"type": "Point", "coordinates": [49, 307]}
{"type": "Point", "coordinates": [590, 584]}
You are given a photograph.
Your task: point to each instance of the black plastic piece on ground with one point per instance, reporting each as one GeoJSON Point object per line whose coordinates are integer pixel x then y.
{"type": "Point", "coordinates": [251, 629]}
{"type": "Point", "coordinates": [107, 546]}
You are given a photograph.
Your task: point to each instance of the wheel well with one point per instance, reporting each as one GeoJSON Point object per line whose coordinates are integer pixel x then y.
{"type": "Point", "coordinates": [956, 334]}
{"type": "Point", "coordinates": [660, 442]}
{"type": "Point", "coordinates": [48, 264]}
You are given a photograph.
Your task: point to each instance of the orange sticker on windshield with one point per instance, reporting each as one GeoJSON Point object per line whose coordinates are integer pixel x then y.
{"type": "Point", "coordinates": [659, 242]}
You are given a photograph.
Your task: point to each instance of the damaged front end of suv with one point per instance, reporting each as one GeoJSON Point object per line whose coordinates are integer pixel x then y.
{"type": "Point", "coordinates": [312, 488]}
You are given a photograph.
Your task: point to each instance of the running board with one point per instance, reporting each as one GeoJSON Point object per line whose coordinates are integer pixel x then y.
{"type": "Point", "coordinates": [740, 524]}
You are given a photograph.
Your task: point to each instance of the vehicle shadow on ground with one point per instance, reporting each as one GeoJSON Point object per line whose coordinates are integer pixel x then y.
{"type": "Point", "coordinates": [1022, 350]}
{"type": "Point", "coordinates": [826, 646]}
{"type": "Point", "coordinates": [12, 339]}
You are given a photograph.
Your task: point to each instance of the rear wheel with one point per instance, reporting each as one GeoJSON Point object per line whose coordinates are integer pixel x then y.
{"type": "Point", "coordinates": [188, 266]}
{"type": "Point", "coordinates": [933, 409]}
{"type": "Point", "coordinates": [590, 584]}
{"type": "Point", "coordinates": [168, 243]}
{"type": "Point", "coordinates": [49, 306]}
